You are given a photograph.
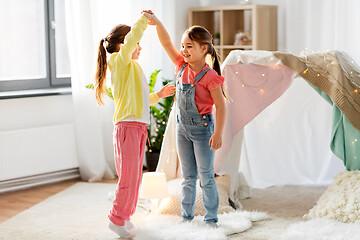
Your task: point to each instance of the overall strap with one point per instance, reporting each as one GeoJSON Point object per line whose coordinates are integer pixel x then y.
{"type": "Point", "coordinates": [201, 74]}
{"type": "Point", "coordinates": [182, 69]}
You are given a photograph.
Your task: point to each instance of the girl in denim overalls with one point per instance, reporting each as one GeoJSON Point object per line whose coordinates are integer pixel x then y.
{"type": "Point", "coordinates": [198, 88]}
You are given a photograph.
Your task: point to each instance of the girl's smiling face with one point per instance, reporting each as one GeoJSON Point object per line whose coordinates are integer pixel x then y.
{"type": "Point", "coordinates": [192, 51]}
{"type": "Point", "coordinates": [136, 53]}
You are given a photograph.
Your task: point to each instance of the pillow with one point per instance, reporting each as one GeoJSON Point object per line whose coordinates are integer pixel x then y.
{"type": "Point", "coordinates": [341, 201]}
{"type": "Point", "coordinates": [172, 205]}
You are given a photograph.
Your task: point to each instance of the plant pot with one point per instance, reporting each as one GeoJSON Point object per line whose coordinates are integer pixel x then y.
{"type": "Point", "coordinates": [152, 159]}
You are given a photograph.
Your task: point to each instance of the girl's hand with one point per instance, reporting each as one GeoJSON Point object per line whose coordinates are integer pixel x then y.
{"type": "Point", "coordinates": [215, 141]}
{"type": "Point", "coordinates": [166, 91]}
{"type": "Point", "coordinates": [151, 17]}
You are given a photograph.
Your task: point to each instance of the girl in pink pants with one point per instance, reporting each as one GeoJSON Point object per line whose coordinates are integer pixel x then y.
{"type": "Point", "coordinates": [131, 95]}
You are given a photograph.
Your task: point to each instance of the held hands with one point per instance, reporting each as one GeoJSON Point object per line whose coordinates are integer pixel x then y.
{"type": "Point", "coordinates": [215, 141]}
{"type": "Point", "coordinates": [153, 20]}
{"type": "Point", "coordinates": [166, 91]}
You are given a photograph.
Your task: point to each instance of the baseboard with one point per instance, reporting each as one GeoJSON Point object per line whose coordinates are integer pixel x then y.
{"type": "Point", "coordinates": [40, 179]}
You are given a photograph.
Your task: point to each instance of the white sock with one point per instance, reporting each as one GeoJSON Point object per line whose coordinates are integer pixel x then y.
{"type": "Point", "coordinates": [129, 225]}
{"type": "Point", "coordinates": [120, 230]}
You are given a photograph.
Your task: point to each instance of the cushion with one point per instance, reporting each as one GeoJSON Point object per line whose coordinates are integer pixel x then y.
{"type": "Point", "coordinates": [172, 205]}
{"type": "Point", "coordinates": [341, 201]}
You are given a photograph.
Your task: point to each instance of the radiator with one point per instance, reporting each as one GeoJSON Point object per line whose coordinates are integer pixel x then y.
{"type": "Point", "coordinates": [35, 156]}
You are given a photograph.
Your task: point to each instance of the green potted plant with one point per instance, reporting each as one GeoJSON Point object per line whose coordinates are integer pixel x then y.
{"type": "Point", "coordinates": [217, 38]}
{"type": "Point", "coordinates": [159, 115]}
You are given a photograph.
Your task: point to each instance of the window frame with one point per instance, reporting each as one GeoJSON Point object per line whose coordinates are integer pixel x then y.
{"type": "Point", "coordinates": [50, 82]}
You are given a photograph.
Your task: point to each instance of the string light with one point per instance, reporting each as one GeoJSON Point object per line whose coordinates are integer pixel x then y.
{"type": "Point", "coordinates": [150, 150]}
{"type": "Point", "coordinates": [317, 68]}
{"type": "Point", "coordinates": [163, 122]}
{"type": "Point", "coordinates": [243, 84]}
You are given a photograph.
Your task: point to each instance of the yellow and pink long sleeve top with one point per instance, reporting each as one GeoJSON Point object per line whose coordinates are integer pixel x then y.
{"type": "Point", "coordinates": [128, 81]}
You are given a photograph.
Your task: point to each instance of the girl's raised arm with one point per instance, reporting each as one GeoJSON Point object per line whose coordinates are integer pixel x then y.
{"type": "Point", "coordinates": [131, 40]}
{"type": "Point", "coordinates": [163, 36]}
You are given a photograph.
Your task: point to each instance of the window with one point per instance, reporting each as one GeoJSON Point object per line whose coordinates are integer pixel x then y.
{"type": "Point", "coordinates": [33, 45]}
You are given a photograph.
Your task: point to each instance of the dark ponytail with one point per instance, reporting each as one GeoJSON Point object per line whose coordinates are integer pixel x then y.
{"type": "Point", "coordinates": [100, 75]}
{"type": "Point", "coordinates": [112, 42]}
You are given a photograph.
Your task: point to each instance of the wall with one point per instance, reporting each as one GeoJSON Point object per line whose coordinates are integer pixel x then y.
{"type": "Point", "coordinates": [42, 130]}
{"type": "Point", "coordinates": [35, 112]}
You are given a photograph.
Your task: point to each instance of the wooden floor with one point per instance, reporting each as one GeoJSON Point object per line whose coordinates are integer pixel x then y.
{"type": "Point", "coordinates": [12, 203]}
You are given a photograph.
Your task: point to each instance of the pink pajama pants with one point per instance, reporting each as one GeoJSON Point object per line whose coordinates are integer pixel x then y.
{"type": "Point", "coordinates": [129, 145]}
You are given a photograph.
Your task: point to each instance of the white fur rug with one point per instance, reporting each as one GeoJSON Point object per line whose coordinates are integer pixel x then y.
{"type": "Point", "coordinates": [166, 227]}
{"type": "Point", "coordinates": [80, 212]}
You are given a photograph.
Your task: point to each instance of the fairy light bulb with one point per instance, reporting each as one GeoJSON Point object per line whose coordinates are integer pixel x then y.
{"type": "Point", "coordinates": [242, 85]}
{"type": "Point", "coordinates": [318, 75]}
{"type": "Point", "coordinates": [163, 122]}
{"type": "Point", "coordinates": [356, 91]}
{"type": "Point", "coordinates": [261, 91]}
{"type": "Point", "coordinates": [305, 71]}
{"type": "Point", "coordinates": [150, 150]}
{"type": "Point", "coordinates": [263, 74]}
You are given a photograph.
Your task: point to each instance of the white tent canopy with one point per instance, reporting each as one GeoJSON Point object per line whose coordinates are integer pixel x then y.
{"type": "Point", "coordinates": [288, 143]}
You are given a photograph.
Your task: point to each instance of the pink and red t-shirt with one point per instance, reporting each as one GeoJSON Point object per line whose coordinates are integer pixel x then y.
{"type": "Point", "coordinates": [210, 81]}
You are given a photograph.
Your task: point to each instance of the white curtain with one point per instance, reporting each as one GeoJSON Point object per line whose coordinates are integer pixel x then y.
{"type": "Point", "coordinates": [87, 22]}
{"type": "Point", "coordinates": [318, 25]}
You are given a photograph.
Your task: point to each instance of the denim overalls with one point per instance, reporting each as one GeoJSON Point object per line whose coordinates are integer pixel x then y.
{"type": "Point", "coordinates": [193, 132]}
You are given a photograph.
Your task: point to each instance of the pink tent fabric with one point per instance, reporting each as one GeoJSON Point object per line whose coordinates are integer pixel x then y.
{"type": "Point", "coordinates": [250, 88]}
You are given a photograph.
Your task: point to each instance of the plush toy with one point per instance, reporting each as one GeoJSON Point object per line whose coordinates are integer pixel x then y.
{"type": "Point", "coordinates": [242, 38]}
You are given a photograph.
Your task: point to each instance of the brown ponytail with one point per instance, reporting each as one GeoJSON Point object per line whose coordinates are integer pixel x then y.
{"type": "Point", "coordinates": [112, 42]}
{"type": "Point", "coordinates": [216, 64]}
{"type": "Point", "coordinates": [100, 75]}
